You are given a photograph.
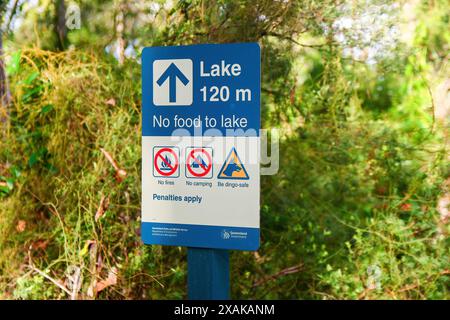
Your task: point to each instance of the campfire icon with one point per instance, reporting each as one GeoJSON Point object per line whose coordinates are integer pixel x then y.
{"type": "Point", "coordinates": [166, 164]}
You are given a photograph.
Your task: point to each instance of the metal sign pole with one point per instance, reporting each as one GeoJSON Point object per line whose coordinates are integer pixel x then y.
{"type": "Point", "coordinates": [208, 274]}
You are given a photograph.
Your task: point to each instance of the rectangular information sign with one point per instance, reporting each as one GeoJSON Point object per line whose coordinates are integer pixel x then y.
{"type": "Point", "coordinates": [200, 145]}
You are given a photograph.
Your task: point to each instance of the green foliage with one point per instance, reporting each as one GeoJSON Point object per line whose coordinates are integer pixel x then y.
{"type": "Point", "coordinates": [411, 260]}
{"type": "Point", "coordinates": [55, 140]}
{"type": "Point", "coordinates": [337, 207]}
{"type": "Point", "coordinates": [351, 214]}
{"type": "Point", "coordinates": [33, 288]}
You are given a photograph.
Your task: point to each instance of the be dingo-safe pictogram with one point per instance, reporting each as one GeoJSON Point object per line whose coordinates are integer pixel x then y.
{"type": "Point", "coordinates": [166, 162]}
{"type": "Point", "coordinates": [199, 163]}
{"type": "Point", "coordinates": [233, 168]}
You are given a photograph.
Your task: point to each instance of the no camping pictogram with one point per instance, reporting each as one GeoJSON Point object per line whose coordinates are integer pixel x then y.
{"type": "Point", "coordinates": [166, 162]}
{"type": "Point", "coordinates": [199, 162]}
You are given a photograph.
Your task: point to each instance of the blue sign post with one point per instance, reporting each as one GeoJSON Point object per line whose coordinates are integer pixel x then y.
{"type": "Point", "coordinates": [200, 156]}
{"type": "Point", "coordinates": [208, 274]}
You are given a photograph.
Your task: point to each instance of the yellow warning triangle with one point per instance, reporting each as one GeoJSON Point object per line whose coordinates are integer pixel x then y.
{"type": "Point", "coordinates": [233, 168]}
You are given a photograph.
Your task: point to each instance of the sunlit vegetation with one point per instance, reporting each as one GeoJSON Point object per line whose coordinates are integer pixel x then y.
{"type": "Point", "coordinates": [358, 90]}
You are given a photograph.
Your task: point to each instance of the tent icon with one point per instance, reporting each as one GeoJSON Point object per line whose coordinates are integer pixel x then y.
{"type": "Point", "coordinates": [198, 161]}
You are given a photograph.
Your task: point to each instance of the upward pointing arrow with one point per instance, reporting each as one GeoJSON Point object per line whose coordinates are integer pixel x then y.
{"type": "Point", "coordinates": [172, 73]}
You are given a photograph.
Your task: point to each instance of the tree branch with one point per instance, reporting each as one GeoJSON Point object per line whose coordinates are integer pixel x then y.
{"type": "Point", "coordinates": [11, 16]}
{"type": "Point", "coordinates": [284, 37]}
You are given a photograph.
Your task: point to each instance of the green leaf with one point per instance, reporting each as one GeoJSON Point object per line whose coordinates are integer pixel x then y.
{"type": "Point", "coordinates": [51, 168]}
{"type": "Point", "coordinates": [31, 78]}
{"type": "Point", "coordinates": [10, 183]}
{"type": "Point", "coordinates": [31, 93]}
{"type": "Point", "coordinates": [15, 172]}
{"type": "Point", "coordinates": [33, 160]}
{"type": "Point", "coordinates": [8, 187]}
{"type": "Point", "coordinates": [47, 108]}
{"type": "Point", "coordinates": [13, 65]}
{"type": "Point", "coordinates": [4, 189]}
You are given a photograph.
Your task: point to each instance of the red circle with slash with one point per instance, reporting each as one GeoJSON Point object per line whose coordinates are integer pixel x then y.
{"type": "Point", "coordinates": [206, 169]}
{"type": "Point", "coordinates": [172, 168]}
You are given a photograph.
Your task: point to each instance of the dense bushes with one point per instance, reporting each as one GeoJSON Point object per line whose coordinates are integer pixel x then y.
{"type": "Point", "coordinates": [351, 213]}
{"type": "Point", "coordinates": [356, 211]}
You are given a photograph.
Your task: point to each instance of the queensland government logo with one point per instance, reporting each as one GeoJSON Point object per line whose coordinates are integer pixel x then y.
{"type": "Point", "coordinates": [226, 235]}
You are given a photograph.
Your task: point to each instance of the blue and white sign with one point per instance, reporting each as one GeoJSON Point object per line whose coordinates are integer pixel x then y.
{"type": "Point", "coordinates": [200, 145]}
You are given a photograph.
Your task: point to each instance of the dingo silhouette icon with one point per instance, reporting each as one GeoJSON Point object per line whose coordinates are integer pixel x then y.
{"type": "Point", "coordinates": [233, 168]}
